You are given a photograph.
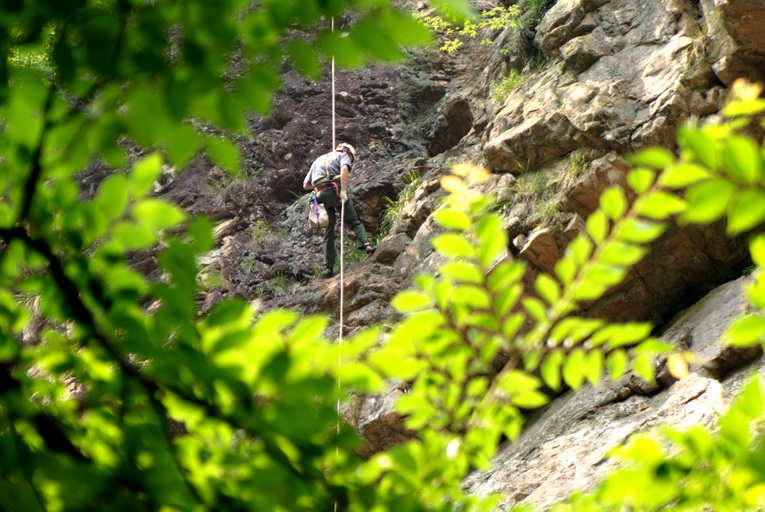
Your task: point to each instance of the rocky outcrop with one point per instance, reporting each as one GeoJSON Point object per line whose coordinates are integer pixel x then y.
{"type": "Point", "coordinates": [565, 447]}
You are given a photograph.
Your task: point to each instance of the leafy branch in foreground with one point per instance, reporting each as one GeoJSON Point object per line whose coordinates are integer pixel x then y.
{"type": "Point", "coordinates": [720, 173]}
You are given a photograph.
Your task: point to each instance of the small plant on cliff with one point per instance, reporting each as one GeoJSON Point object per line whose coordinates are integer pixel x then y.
{"type": "Point", "coordinates": [412, 180]}
{"type": "Point", "coordinates": [506, 85]}
{"type": "Point", "coordinates": [453, 33]}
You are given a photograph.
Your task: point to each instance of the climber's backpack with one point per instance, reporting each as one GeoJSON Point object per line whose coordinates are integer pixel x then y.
{"type": "Point", "coordinates": [317, 214]}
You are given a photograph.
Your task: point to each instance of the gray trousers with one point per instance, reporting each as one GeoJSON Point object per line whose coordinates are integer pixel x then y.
{"type": "Point", "coordinates": [328, 197]}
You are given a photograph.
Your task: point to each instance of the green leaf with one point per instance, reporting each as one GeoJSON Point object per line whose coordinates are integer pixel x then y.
{"type": "Point", "coordinates": [574, 368]}
{"type": "Point", "coordinates": [580, 250]}
{"type": "Point", "coordinates": [656, 157]}
{"type": "Point", "coordinates": [684, 174]}
{"type": "Point", "coordinates": [112, 197]}
{"type": "Point", "coordinates": [757, 250]}
{"type": "Point", "coordinates": [660, 205]}
{"type": "Point", "coordinates": [344, 50]}
{"type": "Point", "coordinates": [411, 301]}
{"type": "Point", "coordinates": [565, 269]}
{"type": "Point", "coordinates": [449, 8]}
{"type": "Point", "coordinates": [641, 180]}
{"type": "Point", "coordinates": [224, 154]}
{"type": "Point", "coordinates": [594, 367]}
{"type": "Point", "coordinates": [305, 59]}
{"type": "Point", "coordinates": [512, 324]}
{"type": "Point", "coordinates": [461, 271]}
{"type": "Point", "coordinates": [376, 41]}
{"type": "Point", "coordinates": [452, 219]}
{"type": "Point", "coordinates": [507, 298]}
{"type": "Point", "coordinates": [453, 245]}
{"type": "Point", "coordinates": [746, 331]}
{"type": "Point", "coordinates": [505, 274]}
{"type": "Point", "coordinates": [641, 231]}
{"type": "Point", "coordinates": [747, 211]}
{"type": "Point", "coordinates": [134, 237]}
{"type": "Point", "coordinates": [548, 289]}
{"type": "Point", "coordinates": [743, 159]}
{"type": "Point", "coordinates": [617, 363]}
{"type": "Point", "coordinates": [708, 201]}
{"type": "Point", "coordinates": [472, 296]}
{"type": "Point", "coordinates": [535, 308]}
{"type": "Point", "coordinates": [492, 239]}
{"type": "Point", "coordinates": [614, 203]}
{"type": "Point", "coordinates": [183, 144]}
{"type": "Point", "coordinates": [144, 173]}
{"type": "Point", "coordinates": [154, 213]}
{"type": "Point", "coordinates": [642, 365]}
{"type": "Point", "coordinates": [598, 226]}
{"type": "Point", "coordinates": [620, 253]}
{"type": "Point", "coordinates": [699, 146]}
{"type": "Point", "coordinates": [550, 369]}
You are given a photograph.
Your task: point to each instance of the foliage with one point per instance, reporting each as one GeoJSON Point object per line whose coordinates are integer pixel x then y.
{"type": "Point", "coordinates": [506, 85]}
{"type": "Point", "coordinates": [236, 410]}
{"type": "Point", "coordinates": [451, 31]}
{"type": "Point", "coordinates": [689, 469]}
{"type": "Point", "coordinates": [393, 210]}
{"type": "Point", "coordinates": [720, 173]}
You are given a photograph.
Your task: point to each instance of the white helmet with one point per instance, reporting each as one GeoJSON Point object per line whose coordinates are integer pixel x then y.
{"type": "Point", "coordinates": [351, 149]}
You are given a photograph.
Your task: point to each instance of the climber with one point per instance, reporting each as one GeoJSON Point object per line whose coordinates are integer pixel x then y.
{"type": "Point", "coordinates": [328, 178]}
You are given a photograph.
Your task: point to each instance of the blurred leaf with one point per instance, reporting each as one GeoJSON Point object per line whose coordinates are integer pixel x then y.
{"type": "Point", "coordinates": [550, 369]}
{"type": "Point", "coordinates": [574, 368]}
{"type": "Point", "coordinates": [747, 211]}
{"type": "Point", "coordinates": [743, 160]}
{"type": "Point", "coordinates": [410, 301]}
{"type": "Point", "coordinates": [684, 174]}
{"type": "Point", "coordinates": [677, 366]}
{"type": "Point", "coordinates": [134, 237]}
{"type": "Point", "coordinates": [157, 214]}
{"type": "Point", "coordinates": [144, 173]}
{"type": "Point", "coordinates": [641, 231]}
{"type": "Point", "coordinates": [224, 154]}
{"type": "Point", "coordinates": [757, 250]}
{"type": "Point", "coordinates": [450, 8]}
{"type": "Point", "coordinates": [655, 157]}
{"type": "Point", "coordinates": [373, 39]}
{"type": "Point", "coordinates": [343, 49]}
{"type": "Point", "coordinates": [708, 201]}
{"type": "Point", "coordinates": [699, 145]}
{"type": "Point", "coordinates": [454, 246]}
{"type": "Point", "coordinates": [660, 205]}
{"type": "Point", "coordinates": [746, 331]}
{"type": "Point", "coordinates": [641, 180]}
{"type": "Point", "coordinates": [548, 289]}
{"type": "Point", "coordinates": [617, 363]}
{"type": "Point", "coordinates": [614, 203]}
{"type": "Point", "coordinates": [112, 197]}
{"type": "Point", "coordinates": [461, 271]}
{"type": "Point", "coordinates": [598, 226]}
{"type": "Point", "coordinates": [452, 219]}
{"type": "Point", "coordinates": [492, 239]}
{"type": "Point", "coordinates": [305, 59]}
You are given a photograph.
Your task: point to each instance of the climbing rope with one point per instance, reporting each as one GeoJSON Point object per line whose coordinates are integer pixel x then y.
{"type": "Point", "coordinates": [342, 251]}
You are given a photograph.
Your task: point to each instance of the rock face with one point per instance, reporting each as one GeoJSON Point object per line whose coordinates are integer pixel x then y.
{"type": "Point", "coordinates": [600, 79]}
{"type": "Point", "coordinates": [565, 448]}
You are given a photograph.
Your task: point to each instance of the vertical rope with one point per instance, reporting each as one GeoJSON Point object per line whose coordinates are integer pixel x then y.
{"type": "Point", "coordinates": [342, 252]}
{"type": "Point", "coordinates": [334, 141]}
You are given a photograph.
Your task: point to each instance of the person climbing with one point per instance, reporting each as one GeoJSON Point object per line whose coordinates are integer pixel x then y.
{"type": "Point", "coordinates": [328, 178]}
